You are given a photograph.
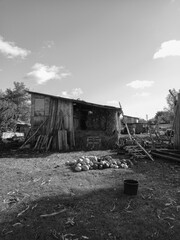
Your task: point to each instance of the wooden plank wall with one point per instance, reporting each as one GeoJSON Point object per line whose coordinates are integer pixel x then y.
{"type": "Point", "coordinates": [177, 124]}
{"type": "Point", "coordinates": [60, 124]}
{"type": "Point", "coordinates": [58, 131]}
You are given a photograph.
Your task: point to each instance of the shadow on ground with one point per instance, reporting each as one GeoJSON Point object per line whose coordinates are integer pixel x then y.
{"type": "Point", "coordinates": [61, 204]}
{"type": "Point", "coordinates": [101, 214]}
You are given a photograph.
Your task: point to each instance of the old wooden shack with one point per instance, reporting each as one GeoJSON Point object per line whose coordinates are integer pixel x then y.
{"type": "Point", "coordinates": [68, 124]}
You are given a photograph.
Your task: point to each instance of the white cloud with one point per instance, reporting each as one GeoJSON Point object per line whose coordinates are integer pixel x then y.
{"type": "Point", "coordinates": [76, 92]}
{"type": "Point", "coordinates": [169, 48]}
{"type": "Point", "coordinates": [48, 44]}
{"type": "Point", "coordinates": [114, 103]}
{"type": "Point", "coordinates": [65, 94]}
{"type": "Point", "coordinates": [65, 74]}
{"type": "Point", "coordinates": [10, 50]}
{"type": "Point", "coordinates": [42, 73]}
{"type": "Point", "coordinates": [142, 94]}
{"type": "Point", "coordinates": [140, 84]}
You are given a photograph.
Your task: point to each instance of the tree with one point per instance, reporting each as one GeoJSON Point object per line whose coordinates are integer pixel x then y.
{"type": "Point", "coordinates": [171, 100]}
{"type": "Point", "coordinates": [163, 117]}
{"type": "Point", "coordinates": [14, 105]}
{"type": "Point", "coordinates": [167, 114]}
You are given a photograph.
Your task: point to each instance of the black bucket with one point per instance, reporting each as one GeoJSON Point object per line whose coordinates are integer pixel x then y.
{"type": "Point", "coordinates": [130, 187]}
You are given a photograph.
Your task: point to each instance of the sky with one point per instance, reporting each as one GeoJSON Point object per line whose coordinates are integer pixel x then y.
{"type": "Point", "coordinates": [100, 51]}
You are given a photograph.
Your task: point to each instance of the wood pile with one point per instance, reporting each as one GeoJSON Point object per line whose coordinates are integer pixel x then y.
{"type": "Point", "coordinates": [135, 151]}
{"type": "Point", "coordinates": [170, 154]}
{"type": "Point", "coordinates": [43, 142]}
{"type": "Point", "coordinates": [138, 150]}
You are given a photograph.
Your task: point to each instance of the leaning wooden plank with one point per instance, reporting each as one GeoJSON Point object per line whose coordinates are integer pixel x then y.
{"type": "Point", "coordinates": [125, 122]}
{"type": "Point", "coordinates": [60, 140]}
{"type": "Point", "coordinates": [43, 142]}
{"type": "Point", "coordinates": [65, 140]}
{"type": "Point", "coordinates": [149, 156]}
{"type": "Point", "coordinates": [40, 142]}
{"type": "Point", "coordinates": [49, 143]}
{"type": "Point", "coordinates": [33, 133]}
{"type": "Point", "coordinates": [132, 138]}
{"type": "Point", "coordinates": [37, 142]}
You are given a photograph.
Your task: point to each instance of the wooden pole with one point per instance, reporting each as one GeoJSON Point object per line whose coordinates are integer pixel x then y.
{"type": "Point", "coordinates": [147, 154]}
{"type": "Point", "coordinates": [177, 125]}
{"type": "Point", "coordinates": [125, 123]}
{"type": "Point", "coordinates": [132, 138]}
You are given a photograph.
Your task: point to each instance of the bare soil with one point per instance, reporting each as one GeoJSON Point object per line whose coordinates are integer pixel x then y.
{"type": "Point", "coordinates": [43, 199]}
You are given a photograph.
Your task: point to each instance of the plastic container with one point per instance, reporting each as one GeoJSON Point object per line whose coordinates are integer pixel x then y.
{"type": "Point", "coordinates": [130, 187]}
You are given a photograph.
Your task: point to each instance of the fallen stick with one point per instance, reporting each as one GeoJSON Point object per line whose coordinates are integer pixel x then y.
{"type": "Point", "coordinates": [53, 214]}
{"type": "Point", "coordinates": [19, 214]}
{"type": "Point", "coordinates": [114, 206]}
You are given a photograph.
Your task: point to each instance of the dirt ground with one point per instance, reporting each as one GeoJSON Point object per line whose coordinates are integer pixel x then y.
{"type": "Point", "coordinates": [43, 199]}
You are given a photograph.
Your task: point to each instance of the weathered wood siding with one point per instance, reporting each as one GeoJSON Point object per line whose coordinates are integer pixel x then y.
{"type": "Point", "coordinates": [62, 118]}
{"type": "Point", "coordinates": [177, 124]}
{"type": "Point", "coordinates": [59, 115]}
{"type": "Point", "coordinates": [53, 108]}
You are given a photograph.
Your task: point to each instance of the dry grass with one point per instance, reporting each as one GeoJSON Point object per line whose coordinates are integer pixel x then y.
{"type": "Point", "coordinates": [89, 205]}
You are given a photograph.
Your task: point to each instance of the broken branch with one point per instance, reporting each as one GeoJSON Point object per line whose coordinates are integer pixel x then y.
{"type": "Point", "coordinates": [53, 214]}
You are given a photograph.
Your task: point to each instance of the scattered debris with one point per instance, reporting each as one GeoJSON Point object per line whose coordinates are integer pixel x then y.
{"type": "Point", "coordinates": [55, 233]}
{"type": "Point", "coordinates": [169, 218]}
{"type": "Point", "coordinates": [170, 154]}
{"type": "Point", "coordinates": [70, 221]}
{"type": "Point", "coordinates": [67, 236]}
{"type": "Point", "coordinates": [11, 200]}
{"type": "Point", "coordinates": [114, 206]}
{"type": "Point", "coordinates": [178, 207]}
{"type": "Point", "coordinates": [85, 237]}
{"type": "Point", "coordinates": [5, 233]}
{"type": "Point", "coordinates": [36, 179]}
{"type": "Point", "coordinates": [47, 181]}
{"type": "Point", "coordinates": [19, 214]}
{"type": "Point", "coordinates": [159, 212]}
{"type": "Point", "coordinates": [128, 206]}
{"type": "Point", "coordinates": [34, 206]}
{"type": "Point", "coordinates": [53, 214]}
{"type": "Point", "coordinates": [18, 224]}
